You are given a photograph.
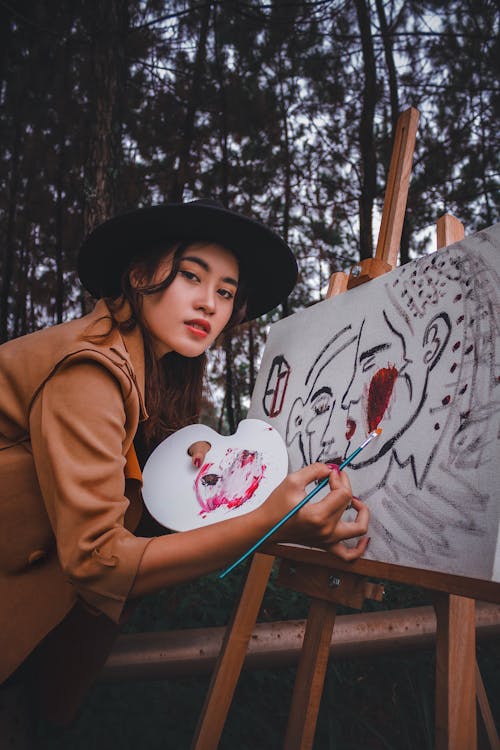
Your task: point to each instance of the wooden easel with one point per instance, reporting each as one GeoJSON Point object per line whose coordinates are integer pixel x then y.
{"type": "Point", "coordinates": [330, 582]}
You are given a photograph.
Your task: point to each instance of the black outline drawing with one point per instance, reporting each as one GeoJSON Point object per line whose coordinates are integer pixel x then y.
{"type": "Point", "coordinates": [437, 325]}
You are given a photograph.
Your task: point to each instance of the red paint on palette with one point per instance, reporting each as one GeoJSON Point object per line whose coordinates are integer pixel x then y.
{"type": "Point", "coordinates": [230, 482]}
{"type": "Point", "coordinates": [379, 395]}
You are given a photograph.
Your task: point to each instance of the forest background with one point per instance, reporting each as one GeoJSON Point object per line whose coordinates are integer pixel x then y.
{"type": "Point", "coordinates": [284, 110]}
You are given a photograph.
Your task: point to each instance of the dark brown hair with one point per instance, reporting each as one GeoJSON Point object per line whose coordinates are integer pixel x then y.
{"type": "Point", "coordinates": [174, 383]}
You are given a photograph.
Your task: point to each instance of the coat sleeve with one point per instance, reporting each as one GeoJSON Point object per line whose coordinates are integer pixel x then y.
{"type": "Point", "coordinates": [78, 427]}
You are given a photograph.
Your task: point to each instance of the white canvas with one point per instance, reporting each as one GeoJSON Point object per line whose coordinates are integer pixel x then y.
{"type": "Point", "coordinates": [414, 352]}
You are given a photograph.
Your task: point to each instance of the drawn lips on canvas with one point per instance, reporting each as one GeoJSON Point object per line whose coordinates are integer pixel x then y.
{"type": "Point", "coordinates": [231, 482]}
{"type": "Point", "coordinates": [379, 395]}
{"type": "Point", "coordinates": [351, 428]}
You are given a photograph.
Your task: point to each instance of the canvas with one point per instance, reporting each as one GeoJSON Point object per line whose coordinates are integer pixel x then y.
{"type": "Point", "coordinates": [414, 352]}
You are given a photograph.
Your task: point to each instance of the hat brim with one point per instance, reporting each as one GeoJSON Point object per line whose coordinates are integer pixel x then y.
{"type": "Point", "coordinates": [267, 264]}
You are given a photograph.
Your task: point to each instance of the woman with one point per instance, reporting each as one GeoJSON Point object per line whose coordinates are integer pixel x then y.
{"type": "Point", "coordinates": [74, 397]}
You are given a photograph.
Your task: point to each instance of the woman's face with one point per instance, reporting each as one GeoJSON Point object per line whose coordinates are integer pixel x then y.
{"type": "Point", "coordinates": [188, 315]}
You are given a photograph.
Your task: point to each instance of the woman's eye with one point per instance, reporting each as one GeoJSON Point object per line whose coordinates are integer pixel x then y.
{"type": "Point", "coordinates": [226, 293]}
{"type": "Point", "coordinates": [189, 275]}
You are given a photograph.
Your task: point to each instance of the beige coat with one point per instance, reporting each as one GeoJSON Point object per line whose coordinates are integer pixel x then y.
{"type": "Point", "coordinates": [69, 410]}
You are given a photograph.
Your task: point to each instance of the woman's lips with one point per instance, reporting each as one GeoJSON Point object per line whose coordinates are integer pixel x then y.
{"type": "Point", "coordinates": [199, 327]}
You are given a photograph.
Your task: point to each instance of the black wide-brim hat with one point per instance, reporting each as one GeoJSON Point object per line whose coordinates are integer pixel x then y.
{"type": "Point", "coordinates": [267, 264]}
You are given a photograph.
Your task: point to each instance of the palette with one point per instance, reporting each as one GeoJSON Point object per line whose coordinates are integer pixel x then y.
{"type": "Point", "coordinates": [237, 475]}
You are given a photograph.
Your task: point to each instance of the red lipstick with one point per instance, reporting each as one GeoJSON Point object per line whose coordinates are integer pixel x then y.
{"type": "Point", "coordinates": [199, 326]}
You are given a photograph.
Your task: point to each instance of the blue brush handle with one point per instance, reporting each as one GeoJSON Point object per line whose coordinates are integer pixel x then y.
{"type": "Point", "coordinates": [290, 513]}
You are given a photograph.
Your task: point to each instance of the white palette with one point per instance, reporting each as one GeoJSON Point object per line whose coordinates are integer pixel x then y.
{"type": "Point", "coordinates": [239, 472]}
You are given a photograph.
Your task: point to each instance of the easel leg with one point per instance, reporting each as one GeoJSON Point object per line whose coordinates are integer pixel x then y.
{"type": "Point", "coordinates": [450, 230]}
{"type": "Point", "coordinates": [310, 676]}
{"type": "Point", "coordinates": [456, 727]}
{"type": "Point", "coordinates": [232, 655]}
{"type": "Point", "coordinates": [485, 711]}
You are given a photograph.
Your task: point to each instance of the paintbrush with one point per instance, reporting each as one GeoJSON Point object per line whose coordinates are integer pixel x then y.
{"type": "Point", "coordinates": [299, 505]}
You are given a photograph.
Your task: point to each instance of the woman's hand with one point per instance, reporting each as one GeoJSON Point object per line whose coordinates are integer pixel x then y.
{"type": "Point", "coordinates": [198, 451]}
{"type": "Point", "coordinates": [174, 558]}
{"type": "Point", "coordinates": [320, 523]}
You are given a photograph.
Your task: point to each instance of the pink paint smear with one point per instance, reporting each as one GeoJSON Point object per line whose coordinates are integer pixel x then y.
{"type": "Point", "coordinates": [231, 482]}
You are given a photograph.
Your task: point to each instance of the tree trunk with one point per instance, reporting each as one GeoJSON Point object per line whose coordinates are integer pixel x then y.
{"type": "Point", "coordinates": [366, 139]}
{"type": "Point", "coordinates": [108, 29]}
{"type": "Point", "coordinates": [404, 249]}
{"type": "Point", "coordinates": [285, 147]}
{"type": "Point", "coordinates": [224, 127]}
{"type": "Point", "coordinates": [180, 175]}
{"type": "Point", "coordinates": [228, 349]}
{"type": "Point", "coordinates": [61, 171]}
{"type": "Point", "coordinates": [9, 249]}
{"type": "Point", "coordinates": [20, 313]}
{"type": "Point", "coordinates": [251, 359]}
{"type": "Point", "coordinates": [391, 67]}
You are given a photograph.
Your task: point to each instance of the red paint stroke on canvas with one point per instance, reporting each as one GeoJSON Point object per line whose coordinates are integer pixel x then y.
{"type": "Point", "coordinates": [231, 482]}
{"type": "Point", "coordinates": [379, 395]}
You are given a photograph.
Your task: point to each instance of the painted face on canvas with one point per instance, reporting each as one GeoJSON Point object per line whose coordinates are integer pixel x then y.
{"type": "Point", "coordinates": [386, 388]}
{"type": "Point", "coordinates": [231, 481]}
{"type": "Point", "coordinates": [316, 423]}
{"type": "Point", "coordinates": [190, 313]}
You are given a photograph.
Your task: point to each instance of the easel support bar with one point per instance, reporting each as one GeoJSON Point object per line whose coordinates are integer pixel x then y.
{"type": "Point", "coordinates": [391, 227]}
{"type": "Point", "coordinates": [398, 182]}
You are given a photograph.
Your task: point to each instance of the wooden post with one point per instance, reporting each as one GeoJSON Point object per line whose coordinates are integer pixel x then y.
{"type": "Point", "coordinates": [396, 195]}
{"type": "Point", "coordinates": [232, 655]}
{"type": "Point", "coordinates": [327, 588]}
{"type": "Point", "coordinates": [310, 676]}
{"type": "Point", "coordinates": [338, 284]}
{"type": "Point", "coordinates": [456, 727]}
{"type": "Point", "coordinates": [448, 230]}
{"type": "Point", "coordinates": [458, 679]}
{"type": "Point", "coordinates": [398, 183]}
{"type": "Point", "coordinates": [486, 715]}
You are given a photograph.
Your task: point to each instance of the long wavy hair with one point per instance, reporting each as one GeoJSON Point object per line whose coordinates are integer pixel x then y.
{"type": "Point", "coordinates": [173, 383]}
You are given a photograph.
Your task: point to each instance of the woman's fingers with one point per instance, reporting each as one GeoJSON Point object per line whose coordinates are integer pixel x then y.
{"type": "Point", "coordinates": [329, 524]}
{"type": "Point", "coordinates": [363, 514]}
{"type": "Point", "coordinates": [356, 527]}
{"type": "Point", "coordinates": [310, 473]}
{"type": "Point", "coordinates": [339, 479]}
{"type": "Point", "coordinates": [337, 500]}
{"type": "Point", "coordinates": [349, 553]}
{"type": "Point", "coordinates": [198, 451]}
